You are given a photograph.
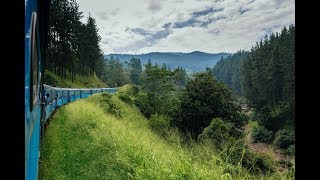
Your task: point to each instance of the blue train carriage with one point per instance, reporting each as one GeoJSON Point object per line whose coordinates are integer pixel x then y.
{"type": "Point", "coordinates": [36, 18]}
{"type": "Point", "coordinates": [40, 99]}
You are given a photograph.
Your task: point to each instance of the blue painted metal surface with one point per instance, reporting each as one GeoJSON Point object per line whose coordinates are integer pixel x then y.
{"type": "Point", "coordinates": [56, 97]}
{"type": "Point", "coordinates": [40, 105]}
{"type": "Point", "coordinates": [32, 114]}
{"type": "Point", "coordinates": [53, 98]}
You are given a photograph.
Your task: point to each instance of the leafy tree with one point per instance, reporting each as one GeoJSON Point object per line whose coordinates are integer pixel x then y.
{"type": "Point", "coordinates": [135, 70]}
{"type": "Point", "coordinates": [284, 139]}
{"type": "Point", "coordinates": [228, 70]}
{"type": "Point", "coordinates": [262, 134]}
{"type": "Point", "coordinates": [203, 99]}
{"type": "Point", "coordinates": [219, 132]}
{"type": "Point", "coordinates": [180, 77]}
{"type": "Point", "coordinates": [115, 75]}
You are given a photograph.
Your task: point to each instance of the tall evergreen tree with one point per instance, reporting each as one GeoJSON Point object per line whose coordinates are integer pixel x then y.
{"type": "Point", "coordinates": [269, 79]}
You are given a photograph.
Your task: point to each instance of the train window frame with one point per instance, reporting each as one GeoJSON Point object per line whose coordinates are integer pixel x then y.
{"type": "Point", "coordinates": [34, 65]}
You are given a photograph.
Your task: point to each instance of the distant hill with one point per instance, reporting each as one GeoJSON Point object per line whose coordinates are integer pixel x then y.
{"type": "Point", "coordinates": [193, 62]}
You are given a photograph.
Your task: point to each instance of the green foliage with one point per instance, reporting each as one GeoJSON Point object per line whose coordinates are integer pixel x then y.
{"type": "Point", "coordinates": [130, 89]}
{"type": "Point", "coordinates": [219, 132]}
{"type": "Point", "coordinates": [108, 105]}
{"type": "Point", "coordinates": [159, 93]}
{"type": "Point", "coordinates": [157, 80]}
{"type": "Point", "coordinates": [115, 74]}
{"type": "Point", "coordinates": [284, 139]}
{"type": "Point", "coordinates": [104, 146]}
{"type": "Point", "coordinates": [203, 99]}
{"type": "Point", "coordinates": [262, 163]}
{"type": "Point", "coordinates": [135, 70]}
{"type": "Point", "coordinates": [145, 103]}
{"type": "Point", "coordinates": [159, 123]}
{"type": "Point", "coordinates": [73, 47]}
{"type": "Point", "coordinates": [269, 79]}
{"type": "Point", "coordinates": [261, 134]}
{"type": "Point", "coordinates": [79, 81]}
{"type": "Point", "coordinates": [274, 117]}
{"type": "Point", "coordinates": [180, 77]}
{"type": "Point", "coordinates": [114, 109]}
{"type": "Point", "coordinates": [286, 164]}
{"type": "Point", "coordinates": [291, 150]}
{"type": "Point", "coordinates": [125, 97]}
{"type": "Point", "coordinates": [228, 70]}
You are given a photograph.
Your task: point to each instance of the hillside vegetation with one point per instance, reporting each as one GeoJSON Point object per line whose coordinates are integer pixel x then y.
{"type": "Point", "coordinates": [87, 81]}
{"type": "Point", "coordinates": [104, 137]}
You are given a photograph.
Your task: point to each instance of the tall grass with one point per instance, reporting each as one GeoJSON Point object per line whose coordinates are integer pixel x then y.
{"type": "Point", "coordinates": [79, 81]}
{"type": "Point", "coordinates": [86, 141]}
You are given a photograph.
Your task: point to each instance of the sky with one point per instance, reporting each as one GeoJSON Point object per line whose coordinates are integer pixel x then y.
{"type": "Point", "coordinates": [212, 26]}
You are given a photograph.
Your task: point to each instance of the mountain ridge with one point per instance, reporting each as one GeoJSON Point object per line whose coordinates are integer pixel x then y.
{"type": "Point", "coordinates": [194, 61]}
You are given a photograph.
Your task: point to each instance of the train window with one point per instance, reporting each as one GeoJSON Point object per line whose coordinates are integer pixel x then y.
{"type": "Point", "coordinates": [34, 60]}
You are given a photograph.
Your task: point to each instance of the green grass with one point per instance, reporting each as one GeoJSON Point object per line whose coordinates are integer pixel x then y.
{"type": "Point", "coordinates": [85, 141]}
{"type": "Point", "coordinates": [79, 82]}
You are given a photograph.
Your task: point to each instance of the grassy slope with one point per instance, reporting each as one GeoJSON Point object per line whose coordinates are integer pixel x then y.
{"type": "Point", "coordinates": [79, 82]}
{"type": "Point", "coordinates": [85, 142]}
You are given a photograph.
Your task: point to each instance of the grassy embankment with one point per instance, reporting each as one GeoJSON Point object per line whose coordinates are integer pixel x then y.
{"type": "Point", "coordinates": [79, 82]}
{"type": "Point", "coordinates": [102, 137]}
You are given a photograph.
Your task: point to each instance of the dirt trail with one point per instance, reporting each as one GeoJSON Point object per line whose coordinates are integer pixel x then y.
{"type": "Point", "coordinates": [263, 147]}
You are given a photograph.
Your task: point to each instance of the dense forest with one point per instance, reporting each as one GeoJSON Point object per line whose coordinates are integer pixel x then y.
{"type": "Point", "coordinates": [269, 86]}
{"type": "Point", "coordinates": [228, 70]}
{"type": "Point", "coordinates": [73, 47]}
{"type": "Point", "coordinates": [265, 77]}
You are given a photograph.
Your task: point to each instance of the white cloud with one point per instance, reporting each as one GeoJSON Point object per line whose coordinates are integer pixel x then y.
{"type": "Point", "coordinates": [238, 25]}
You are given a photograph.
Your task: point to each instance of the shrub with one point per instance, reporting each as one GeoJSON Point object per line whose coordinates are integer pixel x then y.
{"type": "Point", "coordinates": [257, 163]}
{"type": "Point", "coordinates": [145, 103]}
{"type": "Point", "coordinates": [50, 78]}
{"type": "Point", "coordinates": [159, 123]}
{"type": "Point", "coordinates": [114, 109]}
{"type": "Point", "coordinates": [291, 150]}
{"type": "Point", "coordinates": [106, 96]}
{"type": "Point", "coordinates": [238, 154]}
{"type": "Point", "coordinates": [109, 106]}
{"type": "Point", "coordinates": [262, 134]}
{"type": "Point", "coordinates": [203, 99]}
{"type": "Point", "coordinates": [219, 132]}
{"type": "Point", "coordinates": [134, 90]}
{"type": "Point", "coordinates": [263, 163]}
{"type": "Point", "coordinates": [125, 98]}
{"type": "Point", "coordinates": [285, 164]}
{"type": "Point", "coordinates": [283, 139]}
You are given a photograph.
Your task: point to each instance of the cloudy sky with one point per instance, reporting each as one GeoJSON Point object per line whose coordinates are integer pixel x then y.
{"type": "Point", "coordinates": [142, 26]}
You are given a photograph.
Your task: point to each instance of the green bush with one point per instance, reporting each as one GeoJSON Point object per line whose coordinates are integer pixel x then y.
{"type": "Point", "coordinates": [235, 152]}
{"type": "Point", "coordinates": [159, 123]}
{"type": "Point", "coordinates": [257, 163]}
{"type": "Point", "coordinates": [262, 134]}
{"type": "Point", "coordinates": [285, 164]}
{"type": "Point", "coordinates": [50, 78]}
{"type": "Point", "coordinates": [291, 150]}
{"type": "Point", "coordinates": [145, 102]}
{"type": "Point", "coordinates": [109, 106]}
{"type": "Point", "coordinates": [203, 99]}
{"type": "Point", "coordinates": [219, 132]}
{"type": "Point", "coordinates": [114, 109]}
{"type": "Point", "coordinates": [263, 163]}
{"type": "Point", "coordinates": [134, 90]}
{"type": "Point", "coordinates": [125, 98]}
{"type": "Point", "coordinates": [284, 139]}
